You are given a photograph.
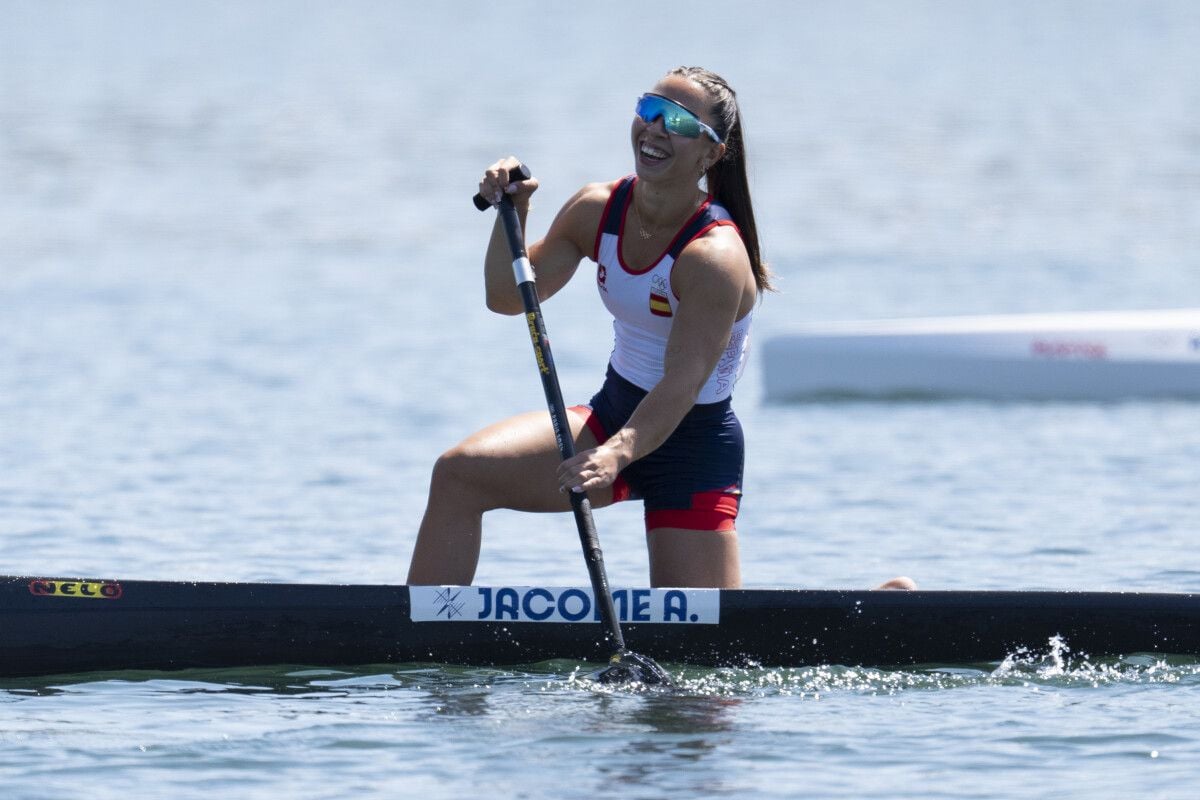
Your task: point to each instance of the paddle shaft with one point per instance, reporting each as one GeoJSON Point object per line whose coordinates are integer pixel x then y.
{"type": "Point", "coordinates": [588, 538]}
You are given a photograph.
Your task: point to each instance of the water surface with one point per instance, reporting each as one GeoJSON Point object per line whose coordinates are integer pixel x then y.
{"type": "Point", "coordinates": [240, 315]}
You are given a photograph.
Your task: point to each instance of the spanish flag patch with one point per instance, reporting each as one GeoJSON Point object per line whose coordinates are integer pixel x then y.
{"type": "Point", "coordinates": [659, 306]}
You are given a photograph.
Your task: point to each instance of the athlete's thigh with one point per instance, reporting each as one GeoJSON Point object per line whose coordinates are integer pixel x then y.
{"type": "Point", "coordinates": [682, 557]}
{"type": "Point", "coordinates": [514, 462]}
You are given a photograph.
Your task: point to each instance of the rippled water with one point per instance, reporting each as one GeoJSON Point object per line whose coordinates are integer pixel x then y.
{"type": "Point", "coordinates": [1051, 726]}
{"type": "Point", "coordinates": [240, 315]}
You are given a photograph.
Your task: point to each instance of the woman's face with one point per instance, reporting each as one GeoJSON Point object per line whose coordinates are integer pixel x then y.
{"type": "Point", "coordinates": [661, 155]}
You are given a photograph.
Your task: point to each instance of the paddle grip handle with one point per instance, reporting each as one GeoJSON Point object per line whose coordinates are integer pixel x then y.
{"type": "Point", "coordinates": [521, 169]}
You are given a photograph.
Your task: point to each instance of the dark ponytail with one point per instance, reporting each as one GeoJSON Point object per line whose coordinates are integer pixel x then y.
{"type": "Point", "coordinates": [727, 180]}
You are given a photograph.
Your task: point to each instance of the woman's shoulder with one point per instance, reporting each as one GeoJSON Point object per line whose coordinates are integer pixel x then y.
{"type": "Point", "coordinates": [582, 213]}
{"type": "Point", "coordinates": [719, 245]}
{"type": "Point", "coordinates": [717, 257]}
{"type": "Point", "coordinates": [593, 195]}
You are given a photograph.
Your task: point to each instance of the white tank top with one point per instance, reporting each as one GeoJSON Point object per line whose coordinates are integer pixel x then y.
{"type": "Point", "coordinates": [643, 305]}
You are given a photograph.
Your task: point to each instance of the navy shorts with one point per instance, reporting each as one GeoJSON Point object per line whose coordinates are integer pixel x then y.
{"type": "Point", "coordinates": [694, 479]}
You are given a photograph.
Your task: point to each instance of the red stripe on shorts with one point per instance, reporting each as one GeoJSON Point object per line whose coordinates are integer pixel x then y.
{"type": "Point", "coordinates": [710, 511]}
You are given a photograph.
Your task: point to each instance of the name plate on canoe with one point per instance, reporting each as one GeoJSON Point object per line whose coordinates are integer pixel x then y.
{"type": "Point", "coordinates": [561, 604]}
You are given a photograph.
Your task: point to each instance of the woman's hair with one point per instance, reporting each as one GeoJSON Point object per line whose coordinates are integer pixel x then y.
{"type": "Point", "coordinates": [727, 179]}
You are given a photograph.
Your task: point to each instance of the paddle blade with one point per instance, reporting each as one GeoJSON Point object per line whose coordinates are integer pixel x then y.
{"type": "Point", "coordinates": [629, 667]}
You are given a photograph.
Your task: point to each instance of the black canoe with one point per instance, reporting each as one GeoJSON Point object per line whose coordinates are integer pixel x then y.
{"type": "Point", "coordinates": [56, 626]}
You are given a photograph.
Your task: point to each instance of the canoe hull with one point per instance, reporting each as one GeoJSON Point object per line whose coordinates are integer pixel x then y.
{"type": "Point", "coordinates": [179, 625]}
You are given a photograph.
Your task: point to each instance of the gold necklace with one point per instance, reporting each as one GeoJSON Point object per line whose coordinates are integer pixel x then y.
{"type": "Point", "coordinates": [642, 232]}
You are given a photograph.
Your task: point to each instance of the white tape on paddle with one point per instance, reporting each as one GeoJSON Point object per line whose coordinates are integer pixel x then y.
{"type": "Point", "coordinates": [522, 270]}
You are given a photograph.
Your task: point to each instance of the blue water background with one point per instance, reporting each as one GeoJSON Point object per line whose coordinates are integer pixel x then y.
{"type": "Point", "coordinates": [241, 314]}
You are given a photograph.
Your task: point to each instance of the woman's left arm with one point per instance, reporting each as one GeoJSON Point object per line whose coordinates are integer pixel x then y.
{"type": "Point", "coordinates": [710, 280]}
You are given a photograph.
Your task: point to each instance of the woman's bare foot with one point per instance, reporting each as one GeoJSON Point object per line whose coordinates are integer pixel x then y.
{"type": "Point", "coordinates": [902, 583]}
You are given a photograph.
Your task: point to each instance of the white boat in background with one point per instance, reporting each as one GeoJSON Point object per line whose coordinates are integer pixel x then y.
{"type": "Point", "coordinates": [1076, 356]}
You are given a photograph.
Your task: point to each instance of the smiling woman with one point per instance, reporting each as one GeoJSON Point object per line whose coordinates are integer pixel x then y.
{"type": "Point", "coordinates": [681, 292]}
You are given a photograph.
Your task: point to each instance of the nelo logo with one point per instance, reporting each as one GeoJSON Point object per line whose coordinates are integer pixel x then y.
{"type": "Point", "coordinates": [96, 590]}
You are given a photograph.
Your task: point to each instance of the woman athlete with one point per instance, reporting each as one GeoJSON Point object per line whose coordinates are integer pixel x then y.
{"type": "Point", "coordinates": [680, 270]}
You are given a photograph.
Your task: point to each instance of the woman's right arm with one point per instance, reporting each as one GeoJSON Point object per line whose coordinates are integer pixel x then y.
{"type": "Point", "coordinates": [556, 256]}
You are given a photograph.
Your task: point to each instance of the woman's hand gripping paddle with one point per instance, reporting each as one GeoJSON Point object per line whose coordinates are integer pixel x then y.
{"type": "Point", "coordinates": [623, 665]}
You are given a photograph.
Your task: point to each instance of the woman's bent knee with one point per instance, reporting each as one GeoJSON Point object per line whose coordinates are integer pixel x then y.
{"type": "Point", "coordinates": [461, 476]}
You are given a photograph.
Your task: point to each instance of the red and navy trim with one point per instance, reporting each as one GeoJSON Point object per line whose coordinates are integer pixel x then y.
{"type": "Point", "coordinates": [707, 217]}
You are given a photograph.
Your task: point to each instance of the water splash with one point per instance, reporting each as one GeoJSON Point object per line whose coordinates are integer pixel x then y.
{"type": "Point", "coordinates": [1059, 665]}
{"type": "Point", "coordinates": [1054, 665]}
